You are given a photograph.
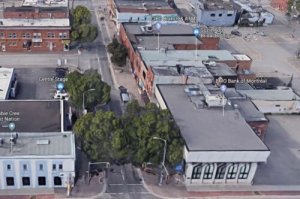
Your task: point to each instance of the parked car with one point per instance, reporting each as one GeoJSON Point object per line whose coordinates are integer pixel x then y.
{"type": "Point", "coordinates": [61, 95]}
{"type": "Point", "coordinates": [236, 33]}
{"type": "Point", "coordinates": [124, 95]}
{"type": "Point", "coordinates": [61, 72]}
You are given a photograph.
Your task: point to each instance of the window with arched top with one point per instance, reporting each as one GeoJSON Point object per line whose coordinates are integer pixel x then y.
{"type": "Point", "coordinates": [208, 171]}
{"type": "Point", "coordinates": [221, 170]}
{"type": "Point", "coordinates": [244, 170]}
{"type": "Point", "coordinates": [232, 171]}
{"type": "Point", "coordinates": [197, 171]}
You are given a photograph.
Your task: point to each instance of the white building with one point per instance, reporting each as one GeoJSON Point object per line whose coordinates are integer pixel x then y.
{"type": "Point", "coordinates": [218, 149]}
{"type": "Point", "coordinates": [37, 160]}
{"type": "Point", "coordinates": [142, 11]}
{"type": "Point", "coordinates": [6, 79]}
{"type": "Point", "coordinates": [38, 151]}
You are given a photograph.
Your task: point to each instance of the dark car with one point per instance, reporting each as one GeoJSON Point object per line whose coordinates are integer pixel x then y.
{"type": "Point", "coordinates": [124, 95]}
{"type": "Point", "coordinates": [61, 72]}
{"type": "Point", "coordinates": [236, 33]}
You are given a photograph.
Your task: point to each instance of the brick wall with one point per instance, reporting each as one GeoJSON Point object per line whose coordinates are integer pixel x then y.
{"type": "Point", "coordinates": [210, 43]}
{"type": "Point", "coordinates": [16, 44]}
{"type": "Point", "coordinates": [280, 5]}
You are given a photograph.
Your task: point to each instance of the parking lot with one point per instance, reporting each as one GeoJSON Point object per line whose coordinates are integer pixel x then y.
{"type": "Point", "coordinates": [34, 83]}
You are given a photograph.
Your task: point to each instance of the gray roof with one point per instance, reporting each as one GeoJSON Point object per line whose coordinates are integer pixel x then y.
{"type": "Point", "coordinates": [139, 4]}
{"type": "Point", "coordinates": [33, 115]}
{"type": "Point", "coordinates": [27, 144]}
{"type": "Point", "coordinates": [207, 129]}
{"type": "Point", "coordinates": [221, 69]}
{"type": "Point", "coordinates": [249, 111]}
{"type": "Point", "coordinates": [151, 57]}
{"type": "Point", "coordinates": [271, 95]}
{"type": "Point", "coordinates": [190, 71]}
{"type": "Point", "coordinates": [166, 29]}
{"type": "Point", "coordinates": [151, 42]}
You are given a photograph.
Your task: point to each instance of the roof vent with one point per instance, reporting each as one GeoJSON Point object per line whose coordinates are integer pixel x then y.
{"type": "Point", "coordinates": [43, 142]}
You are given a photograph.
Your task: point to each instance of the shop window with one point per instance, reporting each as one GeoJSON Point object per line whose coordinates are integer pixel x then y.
{"type": "Point", "coordinates": [232, 171]}
{"type": "Point", "coordinates": [57, 181]}
{"type": "Point", "coordinates": [244, 171]}
{"type": "Point", "coordinates": [221, 169]}
{"type": "Point", "coordinates": [10, 181]}
{"type": "Point", "coordinates": [208, 171]}
{"type": "Point", "coordinates": [26, 181]}
{"type": "Point", "coordinates": [197, 171]}
{"type": "Point", "coordinates": [42, 181]}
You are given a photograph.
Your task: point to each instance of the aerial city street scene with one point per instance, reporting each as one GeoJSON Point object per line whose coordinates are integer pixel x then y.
{"type": "Point", "coordinates": [150, 99]}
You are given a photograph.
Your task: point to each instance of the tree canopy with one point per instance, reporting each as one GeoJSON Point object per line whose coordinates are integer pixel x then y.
{"type": "Point", "coordinates": [82, 29]}
{"type": "Point", "coordinates": [291, 3]}
{"type": "Point", "coordinates": [130, 138]}
{"type": "Point", "coordinates": [118, 51]}
{"type": "Point", "coordinates": [78, 83]}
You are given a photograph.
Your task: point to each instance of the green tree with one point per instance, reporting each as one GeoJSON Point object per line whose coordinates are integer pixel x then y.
{"type": "Point", "coordinates": [291, 3]}
{"type": "Point", "coordinates": [78, 83]}
{"type": "Point", "coordinates": [94, 132]}
{"type": "Point", "coordinates": [140, 125]}
{"type": "Point", "coordinates": [81, 15]}
{"type": "Point", "coordinates": [112, 46]}
{"type": "Point", "coordinates": [82, 29]}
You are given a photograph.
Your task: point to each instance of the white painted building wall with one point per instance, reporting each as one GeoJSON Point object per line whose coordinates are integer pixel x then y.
{"type": "Point", "coordinates": [16, 166]}
{"type": "Point", "coordinates": [278, 107]}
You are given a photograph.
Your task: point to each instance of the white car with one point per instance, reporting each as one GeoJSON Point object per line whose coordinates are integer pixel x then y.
{"type": "Point", "coordinates": [61, 95]}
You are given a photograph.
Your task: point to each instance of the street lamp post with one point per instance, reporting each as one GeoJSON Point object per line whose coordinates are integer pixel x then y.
{"type": "Point", "coordinates": [164, 158]}
{"type": "Point", "coordinates": [83, 97]}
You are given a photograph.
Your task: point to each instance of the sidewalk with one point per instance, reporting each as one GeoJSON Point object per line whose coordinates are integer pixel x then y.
{"type": "Point", "coordinates": [179, 191]}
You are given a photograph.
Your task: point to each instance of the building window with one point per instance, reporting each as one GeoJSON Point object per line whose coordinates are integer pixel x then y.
{"type": "Point", "coordinates": [26, 35]}
{"type": "Point", "coordinates": [57, 181]}
{"type": "Point", "coordinates": [220, 15]}
{"type": "Point", "coordinates": [213, 15]}
{"type": "Point", "coordinates": [51, 35]}
{"type": "Point", "coordinates": [37, 35]}
{"type": "Point", "coordinates": [221, 169]}
{"type": "Point", "coordinates": [42, 181]}
{"type": "Point", "coordinates": [41, 167]}
{"type": "Point", "coordinates": [229, 15]}
{"type": "Point", "coordinates": [208, 171]}
{"type": "Point", "coordinates": [26, 181]}
{"type": "Point", "coordinates": [25, 167]}
{"type": "Point", "coordinates": [54, 45]}
{"type": "Point", "coordinates": [8, 167]}
{"type": "Point", "coordinates": [10, 181]}
{"type": "Point", "coordinates": [232, 171]}
{"type": "Point", "coordinates": [1, 34]}
{"type": "Point", "coordinates": [244, 171]}
{"type": "Point", "coordinates": [12, 35]}
{"type": "Point", "coordinates": [60, 166]}
{"type": "Point", "coordinates": [53, 167]}
{"type": "Point", "coordinates": [63, 35]}
{"type": "Point", "coordinates": [197, 171]}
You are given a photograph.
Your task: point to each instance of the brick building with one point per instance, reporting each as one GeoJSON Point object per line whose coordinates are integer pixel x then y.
{"type": "Point", "coordinates": [281, 5]}
{"type": "Point", "coordinates": [26, 29]}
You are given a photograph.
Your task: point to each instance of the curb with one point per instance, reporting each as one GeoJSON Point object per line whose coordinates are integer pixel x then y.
{"type": "Point", "coordinates": [283, 196]}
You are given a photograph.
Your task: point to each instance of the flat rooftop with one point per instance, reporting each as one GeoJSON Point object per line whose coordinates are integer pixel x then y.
{"type": "Point", "coordinates": [143, 6]}
{"type": "Point", "coordinates": [6, 75]}
{"type": "Point", "coordinates": [33, 9]}
{"type": "Point", "coordinates": [46, 3]}
{"type": "Point", "coordinates": [152, 56]}
{"type": "Point", "coordinates": [218, 5]}
{"type": "Point", "coordinates": [166, 29]}
{"type": "Point", "coordinates": [34, 22]}
{"type": "Point", "coordinates": [188, 70]}
{"type": "Point", "coordinates": [241, 57]}
{"type": "Point", "coordinates": [151, 42]}
{"type": "Point", "coordinates": [221, 69]}
{"type": "Point", "coordinates": [270, 95]}
{"type": "Point", "coordinates": [207, 129]}
{"type": "Point", "coordinates": [31, 115]}
{"type": "Point", "coordinates": [38, 144]}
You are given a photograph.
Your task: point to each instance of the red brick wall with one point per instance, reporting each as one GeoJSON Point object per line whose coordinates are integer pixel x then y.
{"type": "Point", "coordinates": [244, 64]}
{"type": "Point", "coordinates": [186, 46]}
{"type": "Point", "coordinates": [35, 14]}
{"type": "Point", "coordinates": [210, 43]}
{"type": "Point", "coordinates": [58, 44]}
{"type": "Point", "coordinates": [231, 63]}
{"type": "Point", "coordinates": [280, 5]}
